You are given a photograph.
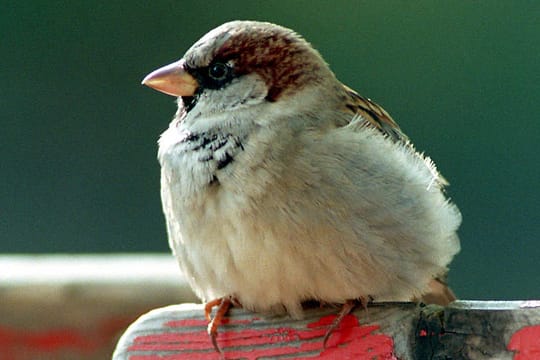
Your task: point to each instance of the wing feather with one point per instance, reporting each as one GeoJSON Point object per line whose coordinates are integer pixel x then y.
{"type": "Point", "coordinates": [374, 115]}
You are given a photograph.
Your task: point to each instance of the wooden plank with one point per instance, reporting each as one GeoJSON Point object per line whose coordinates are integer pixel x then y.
{"type": "Point", "coordinates": [76, 306]}
{"type": "Point", "coordinates": [480, 330]}
{"type": "Point", "coordinates": [464, 330]}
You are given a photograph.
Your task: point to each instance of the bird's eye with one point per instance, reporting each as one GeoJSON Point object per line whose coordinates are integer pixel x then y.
{"type": "Point", "coordinates": [218, 71]}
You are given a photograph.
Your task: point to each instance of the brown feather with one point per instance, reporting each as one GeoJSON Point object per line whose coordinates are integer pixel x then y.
{"type": "Point", "coordinates": [439, 293]}
{"type": "Point", "coordinates": [374, 114]}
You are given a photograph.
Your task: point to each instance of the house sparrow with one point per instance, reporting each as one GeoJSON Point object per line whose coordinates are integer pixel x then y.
{"type": "Point", "coordinates": [282, 185]}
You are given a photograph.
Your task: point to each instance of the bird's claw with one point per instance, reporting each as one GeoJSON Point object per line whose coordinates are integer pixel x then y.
{"type": "Point", "coordinates": [223, 305]}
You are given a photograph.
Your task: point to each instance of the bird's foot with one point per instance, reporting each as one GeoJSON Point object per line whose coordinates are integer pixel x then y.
{"type": "Point", "coordinates": [223, 305]}
{"type": "Point", "coordinates": [345, 310]}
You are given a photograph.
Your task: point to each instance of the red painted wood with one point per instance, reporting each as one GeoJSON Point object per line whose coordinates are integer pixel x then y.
{"type": "Point", "coordinates": [465, 329]}
{"type": "Point", "coordinates": [526, 343]}
{"type": "Point", "coordinates": [189, 340]}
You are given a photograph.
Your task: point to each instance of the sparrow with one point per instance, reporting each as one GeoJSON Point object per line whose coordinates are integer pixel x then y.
{"type": "Point", "coordinates": [280, 185]}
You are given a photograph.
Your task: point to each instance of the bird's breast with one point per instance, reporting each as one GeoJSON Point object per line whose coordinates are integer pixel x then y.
{"type": "Point", "coordinates": [193, 161]}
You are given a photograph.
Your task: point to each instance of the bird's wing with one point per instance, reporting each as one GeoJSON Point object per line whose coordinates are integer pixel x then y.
{"type": "Point", "coordinates": [374, 115]}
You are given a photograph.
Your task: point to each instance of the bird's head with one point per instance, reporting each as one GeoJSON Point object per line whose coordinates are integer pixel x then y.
{"type": "Point", "coordinates": [245, 66]}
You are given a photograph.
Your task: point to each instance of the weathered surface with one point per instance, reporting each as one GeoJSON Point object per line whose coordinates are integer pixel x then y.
{"type": "Point", "coordinates": [479, 330]}
{"type": "Point", "coordinates": [464, 330]}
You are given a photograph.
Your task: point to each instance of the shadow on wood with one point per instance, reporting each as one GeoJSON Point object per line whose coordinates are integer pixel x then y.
{"type": "Point", "coordinates": [463, 330]}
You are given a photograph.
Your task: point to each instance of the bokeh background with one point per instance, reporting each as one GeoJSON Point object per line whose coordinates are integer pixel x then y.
{"type": "Point", "coordinates": [78, 132]}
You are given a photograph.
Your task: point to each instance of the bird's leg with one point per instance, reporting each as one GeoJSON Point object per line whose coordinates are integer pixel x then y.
{"type": "Point", "coordinates": [223, 305]}
{"type": "Point", "coordinates": [364, 304]}
{"type": "Point", "coordinates": [345, 310]}
{"type": "Point", "coordinates": [209, 306]}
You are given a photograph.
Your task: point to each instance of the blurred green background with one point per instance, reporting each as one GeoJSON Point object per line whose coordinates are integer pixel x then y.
{"type": "Point", "coordinates": [78, 132]}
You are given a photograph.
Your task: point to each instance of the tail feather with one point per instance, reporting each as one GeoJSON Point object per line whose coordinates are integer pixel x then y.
{"type": "Point", "coordinates": [439, 293]}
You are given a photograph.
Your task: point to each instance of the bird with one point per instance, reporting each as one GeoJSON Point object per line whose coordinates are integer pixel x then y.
{"type": "Point", "coordinates": [280, 185]}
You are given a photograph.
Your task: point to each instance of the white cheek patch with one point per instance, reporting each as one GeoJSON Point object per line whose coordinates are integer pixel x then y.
{"type": "Point", "coordinates": [221, 108]}
{"type": "Point", "coordinates": [245, 91]}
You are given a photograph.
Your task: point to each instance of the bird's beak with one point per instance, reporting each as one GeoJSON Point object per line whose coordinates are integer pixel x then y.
{"type": "Point", "coordinates": [172, 80]}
